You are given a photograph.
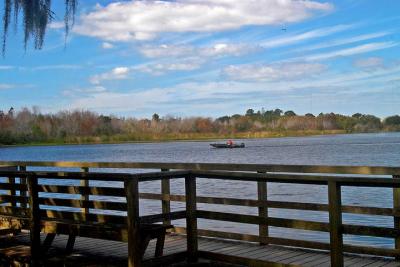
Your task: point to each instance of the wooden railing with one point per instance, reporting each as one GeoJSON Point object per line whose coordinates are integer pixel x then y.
{"type": "Point", "coordinates": [262, 176]}
{"type": "Point", "coordinates": [48, 204]}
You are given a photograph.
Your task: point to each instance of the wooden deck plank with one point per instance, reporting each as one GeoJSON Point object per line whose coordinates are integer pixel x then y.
{"type": "Point", "coordinates": [302, 257]}
{"type": "Point", "coordinates": [118, 252]}
{"type": "Point", "coordinates": [272, 256]}
{"type": "Point", "coordinates": [239, 250]}
{"type": "Point", "coordinates": [392, 264]}
{"type": "Point", "coordinates": [290, 256]}
{"type": "Point", "coordinates": [316, 257]}
{"type": "Point", "coordinates": [359, 261]}
{"type": "Point", "coordinates": [376, 263]}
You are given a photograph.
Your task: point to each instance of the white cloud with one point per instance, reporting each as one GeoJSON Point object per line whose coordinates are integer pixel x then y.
{"type": "Point", "coordinates": [296, 38]}
{"type": "Point", "coordinates": [107, 45]}
{"type": "Point", "coordinates": [285, 71]}
{"type": "Point", "coordinates": [216, 97]}
{"type": "Point", "coordinates": [223, 49]}
{"type": "Point", "coordinates": [365, 48]}
{"type": "Point", "coordinates": [349, 40]}
{"type": "Point", "coordinates": [185, 64]}
{"type": "Point", "coordinates": [159, 97]}
{"type": "Point", "coordinates": [166, 51]}
{"type": "Point", "coordinates": [119, 73]}
{"type": "Point", "coordinates": [6, 67]}
{"type": "Point", "coordinates": [216, 50]}
{"type": "Point", "coordinates": [57, 25]}
{"type": "Point", "coordinates": [144, 20]}
{"type": "Point", "coordinates": [368, 63]}
{"type": "Point", "coordinates": [5, 86]}
{"type": "Point", "coordinates": [56, 67]}
{"type": "Point", "coordinates": [80, 91]}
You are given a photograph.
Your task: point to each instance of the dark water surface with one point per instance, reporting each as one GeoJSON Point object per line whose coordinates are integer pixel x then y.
{"type": "Point", "coordinates": [357, 149]}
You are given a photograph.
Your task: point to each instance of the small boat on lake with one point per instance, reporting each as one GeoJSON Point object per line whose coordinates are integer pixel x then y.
{"type": "Point", "coordinates": [228, 144]}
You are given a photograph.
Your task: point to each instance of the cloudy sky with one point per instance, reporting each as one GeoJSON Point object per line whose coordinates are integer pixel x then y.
{"type": "Point", "coordinates": [211, 58]}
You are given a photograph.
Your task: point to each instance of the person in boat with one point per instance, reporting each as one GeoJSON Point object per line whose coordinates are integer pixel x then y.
{"type": "Point", "coordinates": [229, 142]}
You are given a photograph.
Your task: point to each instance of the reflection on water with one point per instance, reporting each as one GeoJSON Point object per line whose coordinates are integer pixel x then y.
{"type": "Point", "coordinates": [360, 149]}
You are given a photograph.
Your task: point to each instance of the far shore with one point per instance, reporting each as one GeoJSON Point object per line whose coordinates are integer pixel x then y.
{"type": "Point", "coordinates": [211, 137]}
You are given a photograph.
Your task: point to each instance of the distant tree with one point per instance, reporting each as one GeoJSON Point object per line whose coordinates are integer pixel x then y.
{"type": "Point", "coordinates": [243, 124]}
{"type": "Point", "coordinates": [203, 125]}
{"type": "Point", "coordinates": [250, 112]}
{"type": "Point", "coordinates": [104, 126]}
{"type": "Point", "coordinates": [11, 112]}
{"type": "Point", "coordinates": [268, 113]}
{"type": "Point", "coordinates": [236, 116]}
{"type": "Point", "coordinates": [289, 113]}
{"type": "Point", "coordinates": [223, 119]}
{"type": "Point", "coordinates": [392, 120]}
{"type": "Point", "coordinates": [155, 117]}
{"type": "Point", "coordinates": [357, 115]}
{"type": "Point", "coordinates": [29, 125]}
{"type": "Point", "coordinates": [368, 123]}
{"type": "Point", "coordinates": [278, 112]}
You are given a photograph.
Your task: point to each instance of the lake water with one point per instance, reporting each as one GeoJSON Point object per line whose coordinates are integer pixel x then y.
{"type": "Point", "coordinates": [358, 149]}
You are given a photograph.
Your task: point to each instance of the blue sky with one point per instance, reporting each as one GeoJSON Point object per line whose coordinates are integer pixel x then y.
{"type": "Point", "coordinates": [211, 58]}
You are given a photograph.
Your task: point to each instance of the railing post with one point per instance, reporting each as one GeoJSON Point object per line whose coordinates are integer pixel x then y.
{"type": "Point", "coordinates": [165, 192]}
{"type": "Point", "coordinates": [262, 211]}
{"type": "Point", "coordinates": [133, 222]}
{"type": "Point", "coordinates": [335, 224]}
{"type": "Point", "coordinates": [396, 219]}
{"type": "Point", "coordinates": [12, 192]}
{"type": "Point", "coordinates": [85, 197]}
{"type": "Point", "coordinates": [191, 217]}
{"type": "Point", "coordinates": [34, 220]}
{"type": "Point", "coordinates": [22, 180]}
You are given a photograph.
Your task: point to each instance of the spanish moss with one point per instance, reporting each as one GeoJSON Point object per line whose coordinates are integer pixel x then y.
{"type": "Point", "coordinates": [37, 14]}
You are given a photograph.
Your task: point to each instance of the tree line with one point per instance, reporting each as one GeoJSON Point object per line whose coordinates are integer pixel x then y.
{"type": "Point", "coordinates": [29, 126]}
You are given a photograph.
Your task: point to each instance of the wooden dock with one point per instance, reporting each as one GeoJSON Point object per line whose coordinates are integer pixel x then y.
{"type": "Point", "coordinates": [94, 252]}
{"type": "Point", "coordinates": [105, 231]}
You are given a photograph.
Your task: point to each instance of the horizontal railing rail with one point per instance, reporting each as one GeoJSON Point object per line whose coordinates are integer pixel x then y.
{"type": "Point", "coordinates": [366, 170]}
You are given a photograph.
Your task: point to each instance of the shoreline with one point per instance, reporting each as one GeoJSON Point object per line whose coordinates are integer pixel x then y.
{"type": "Point", "coordinates": [242, 136]}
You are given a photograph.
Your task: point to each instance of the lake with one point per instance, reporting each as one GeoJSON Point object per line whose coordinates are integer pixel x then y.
{"type": "Point", "coordinates": [381, 149]}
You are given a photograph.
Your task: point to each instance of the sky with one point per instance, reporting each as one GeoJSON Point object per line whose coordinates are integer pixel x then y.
{"type": "Point", "coordinates": [211, 58]}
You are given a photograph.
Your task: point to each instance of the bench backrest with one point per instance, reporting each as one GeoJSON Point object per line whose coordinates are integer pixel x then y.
{"type": "Point", "coordinates": [64, 200]}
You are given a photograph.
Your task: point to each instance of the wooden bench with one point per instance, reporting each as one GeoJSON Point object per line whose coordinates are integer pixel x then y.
{"type": "Point", "coordinates": [147, 232]}
{"type": "Point", "coordinates": [95, 215]}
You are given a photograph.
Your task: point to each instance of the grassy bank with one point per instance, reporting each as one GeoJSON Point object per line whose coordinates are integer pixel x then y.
{"type": "Point", "coordinates": [117, 139]}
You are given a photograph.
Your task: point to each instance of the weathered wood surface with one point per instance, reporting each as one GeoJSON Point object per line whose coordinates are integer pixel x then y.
{"type": "Point", "coordinates": [111, 253]}
{"type": "Point", "coordinates": [335, 224]}
{"type": "Point", "coordinates": [82, 218]}
{"type": "Point", "coordinates": [191, 218]}
{"type": "Point", "coordinates": [368, 170]}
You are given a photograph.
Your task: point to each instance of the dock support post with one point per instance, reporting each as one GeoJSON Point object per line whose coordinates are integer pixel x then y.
{"type": "Point", "coordinates": [396, 219]}
{"type": "Point", "coordinates": [191, 217]}
{"type": "Point", "coordinates": [12, 192]}
{"type": "Point", "coordinates": [85, 196]}
{"type": "Point", "coordinates": [335, 224]}
{"type": "Point", "coordinates": [22, 180]}
{"type": "Point", "coordinates": [165, 192]}
{"type": "Point", "coordinates": [262, 211]}
{"type": "Point", "coordinates": [34, 220]}
{"type": "Point", "coordinates": [132, 199]}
